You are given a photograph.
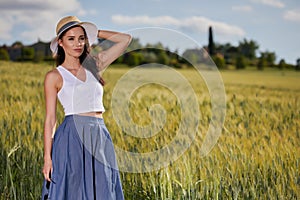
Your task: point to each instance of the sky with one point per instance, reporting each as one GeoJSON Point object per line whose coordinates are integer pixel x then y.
{"type": "Point", "coordinates": [273, 24]}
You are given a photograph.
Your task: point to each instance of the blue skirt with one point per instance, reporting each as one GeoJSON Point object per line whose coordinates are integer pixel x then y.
{"type": "Point", "coordinates": [84, 162]}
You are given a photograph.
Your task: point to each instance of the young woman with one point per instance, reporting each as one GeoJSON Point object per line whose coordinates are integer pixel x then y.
{"type": "Point", "coordinates": [79, 158]}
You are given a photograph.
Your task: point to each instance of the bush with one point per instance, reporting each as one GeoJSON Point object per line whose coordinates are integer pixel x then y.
{"type": "Point", "coordinates": [134, 59]}
{"type": "Point", "coordinates": [219, 61]}
{"type": "Point", "coordinates": [240, 62]}
{"type": "Point", "coordinates": [4, 54]}
{"type": "Point", "coordinates": [262, 63]}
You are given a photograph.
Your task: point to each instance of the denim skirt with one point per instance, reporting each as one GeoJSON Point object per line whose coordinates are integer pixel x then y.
{"type": "Point", "coordinates": [84, 162]}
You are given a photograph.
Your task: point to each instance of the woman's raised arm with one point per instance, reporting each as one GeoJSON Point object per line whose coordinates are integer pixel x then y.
{"type": "Point", "coordinates": [121, 42]}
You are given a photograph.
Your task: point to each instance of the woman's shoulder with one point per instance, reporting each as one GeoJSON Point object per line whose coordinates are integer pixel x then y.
{"type": "Point", "coordinates": [53, 76]}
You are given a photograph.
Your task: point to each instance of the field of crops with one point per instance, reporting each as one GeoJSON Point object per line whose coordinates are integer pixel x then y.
{"type": "Point", "coordinates": [257, 155]}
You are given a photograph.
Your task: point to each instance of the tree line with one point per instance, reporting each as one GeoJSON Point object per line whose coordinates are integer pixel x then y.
{"type": "Point", "coordinates": [223, 55]}
{"type": "Point", "coordinates": [245, 54]}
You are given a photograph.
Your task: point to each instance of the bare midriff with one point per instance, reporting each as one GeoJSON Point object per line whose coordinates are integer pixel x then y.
{"type": "Point", "coordinates": [92, 114]}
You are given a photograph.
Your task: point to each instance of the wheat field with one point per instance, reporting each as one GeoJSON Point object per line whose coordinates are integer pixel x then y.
{"type": "Point", "coordinates": [257, 155]}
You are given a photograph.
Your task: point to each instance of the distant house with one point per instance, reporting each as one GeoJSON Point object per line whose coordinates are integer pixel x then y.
{"type": "Point", "coordinates": [15, 51]}
{"type": "Point", "coordinates": [42, 49]}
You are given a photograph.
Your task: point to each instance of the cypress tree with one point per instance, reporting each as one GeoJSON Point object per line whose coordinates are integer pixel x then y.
{"type": "Point", "coordinates": [211, 44]}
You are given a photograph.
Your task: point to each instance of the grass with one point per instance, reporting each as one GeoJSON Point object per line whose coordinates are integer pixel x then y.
{"type": "Point", "coordinates": [256, 157]}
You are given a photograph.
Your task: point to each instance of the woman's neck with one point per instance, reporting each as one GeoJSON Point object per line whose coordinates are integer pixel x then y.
{"type": "Point", "coordinates": [71, 63]}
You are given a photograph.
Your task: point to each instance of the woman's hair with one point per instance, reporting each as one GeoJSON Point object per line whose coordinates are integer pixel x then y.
{"type": "Point", "coordinates": [86, 60]}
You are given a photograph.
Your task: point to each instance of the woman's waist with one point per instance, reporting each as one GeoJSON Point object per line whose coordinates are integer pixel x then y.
{"type": "Point", "coordinates": [83, 118]}
{"type": "Point", "coordinates": [97, 114]}
{"type": "Point", "coordinates": [93, 112]}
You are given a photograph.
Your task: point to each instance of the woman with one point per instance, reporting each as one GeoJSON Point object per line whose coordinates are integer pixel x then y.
{"type": "Point", "coordinates": [79, 159]}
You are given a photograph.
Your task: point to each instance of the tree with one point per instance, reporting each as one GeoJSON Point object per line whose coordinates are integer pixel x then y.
{"type": "Point", "coordinates": [4, 54]}
{"type": "Point", "coordinates": [17, 44]}
{"type": "Point", "coordinates": [262, 62]}
{"type": "Point", "coordinates": [219, 61]}
{"type": "Point", "coordinates": [163, 58]}
{"type": "Point", "coordinates": [297, 64]}
{"type": "Point", "coordinates": [211, 44]}
{"type": "Point", "coordinates": [174, 59]}
{"type": "Point", "coordinates": [282, 64]}
{"type": "Point", "coordinates": [27, 53]}
{"type": "Point", "coordinates": [270, 58]}
{"type": "Point", "coordinates": [149, 57]}
{"type": "Point", "coordinates": [240, 62]}
{"type": "Point", "coordinates": [230, 53]}
{"type": "Point", "coordinates": [248, 48]}
{"type": "Point", "coordinates": [134, 58]}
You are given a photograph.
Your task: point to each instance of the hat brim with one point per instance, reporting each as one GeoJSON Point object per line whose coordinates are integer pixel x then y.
{"type": "Point", "coordinates": [90, 29]}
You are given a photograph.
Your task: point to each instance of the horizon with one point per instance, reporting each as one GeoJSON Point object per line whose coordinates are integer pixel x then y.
{"type": "Point", "coordinates": [273, 24]}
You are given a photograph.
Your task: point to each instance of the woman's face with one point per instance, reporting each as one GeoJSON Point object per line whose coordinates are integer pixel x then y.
{"type": "Point", "coordinates": [73, 42]}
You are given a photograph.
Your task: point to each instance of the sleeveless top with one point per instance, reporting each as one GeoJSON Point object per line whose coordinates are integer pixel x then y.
{"type": "Point", "coordinates": [77, 96]}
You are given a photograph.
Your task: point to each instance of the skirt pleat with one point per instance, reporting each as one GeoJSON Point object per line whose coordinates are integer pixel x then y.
{"type": "Point", "coordinates": [84, 162]}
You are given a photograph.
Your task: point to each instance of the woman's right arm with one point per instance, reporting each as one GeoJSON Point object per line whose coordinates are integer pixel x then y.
{"type": "Point", "coordinates": [50, 90]}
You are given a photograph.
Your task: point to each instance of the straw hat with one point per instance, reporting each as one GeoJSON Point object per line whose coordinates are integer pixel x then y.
{"type": "Point", "coordinates": [69, 21]}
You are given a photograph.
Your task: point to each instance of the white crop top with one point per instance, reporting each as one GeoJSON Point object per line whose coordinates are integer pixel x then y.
{"type": "Point", "coordinates": [78, 96]}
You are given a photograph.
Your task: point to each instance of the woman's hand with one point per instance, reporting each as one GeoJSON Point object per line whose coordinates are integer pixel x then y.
{"type": "Point", "coordinates": [47, 169]}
